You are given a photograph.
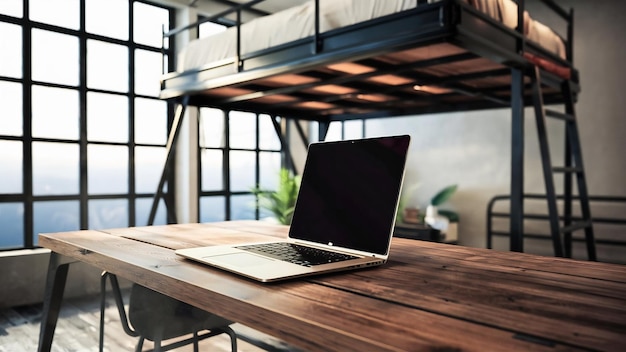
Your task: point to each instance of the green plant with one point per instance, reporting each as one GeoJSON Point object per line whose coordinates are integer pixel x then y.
{"type": "Point", "coordinates": [443, 196]}
{"type": "Point", "coordinates": [282, 201]}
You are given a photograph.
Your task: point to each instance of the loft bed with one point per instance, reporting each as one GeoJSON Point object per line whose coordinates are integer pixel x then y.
{"type": "Point", "coordinates": [339, 60]}
{"type": "Point", "coordinates": [345, 59]}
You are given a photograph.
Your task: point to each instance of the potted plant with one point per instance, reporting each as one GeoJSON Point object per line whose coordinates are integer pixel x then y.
{"type": "Point", "coordinates": [440, 198]}
{"type": "Point", "coordinates": [282, 201]}
{"type": "Point", "coordinates": [441, 219]}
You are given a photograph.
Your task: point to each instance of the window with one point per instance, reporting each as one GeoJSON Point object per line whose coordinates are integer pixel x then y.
{"type": "Point", "coordinates": [340, 130]}
{"type": "Point", "coordinates": [238, 152]}
{"type": "Point", "coordinates": [82, 133]}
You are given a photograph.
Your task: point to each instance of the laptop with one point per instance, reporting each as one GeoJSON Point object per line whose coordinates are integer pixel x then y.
{"type": "Point", "coordinates": [343, 219]}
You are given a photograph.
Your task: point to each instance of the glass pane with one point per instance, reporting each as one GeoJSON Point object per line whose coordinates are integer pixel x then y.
{"type": "Point", "coordinates": [148, 72]}
{"type": "Point", "coordinates": [10, 49]}
{"type": "Point", "coordinates": [149, 163]}
{"type": "Point", "coordinates": [242, 174]}
{"type": "Point", "coordinates": [108, 213]}
{"type": "Point", "coordinates": [142, 210]}
{"type": "Point", "coordinates": [212, 162]}
{"type": "Point", "coordinates": [242, 207]}
{"type": "Point", "coordinates": [107, 169]}
{"type": "Point", "coordinates": [150, 121]}
{"type": "Point", "coordinates": [313, 131]}
{"type": "Point", "coordinates": [166, 60]}
{"type": "Point", "coordinates": [212, 209]}
{"type": "Point", "coordinates": [210, 28]}
{"type": "Point", "coordinates": [108, 18]}
{"type": "Point", "coordinates": [55, 216]}
{"type": "Point", "coordinates": [55, 168]}
{"type": "Point", "coordinates": [55, 57]}
{"type": "Point", "coordinates": [62, 13]}
{"type": "Point", "coordinates": [12, 220]}
{"type": "Point", "coordinates": [55, 113]}
{"type": "Point", "coordinates": [107, 66]}
{"type": "Point", "coordinates": [268, 139]}
{"type": "Point", "coordinates": [149, 22]}
{"type": "Point", "coordinates": [107, 117]}
{"type": "Point", "coordinates": [11, 170]}
{"type": "Point", "coordinates": [12, 109]}
{"type": "Point", "coordinates": [269, 170]}
{"type": "Point", "coordinates": [242, 130]}
{"type": "Point", "coordinates": [11, 8]}
{"type": "Point", "coordinates": [334, 132]}
{"type": "Point", "coordinates": [353, 129]}
{"type": "Point", "coordinates": [212, 134]}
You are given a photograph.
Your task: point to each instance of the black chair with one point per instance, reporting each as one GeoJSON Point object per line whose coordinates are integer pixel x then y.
{"type": "Point", "coordinates": [156, 317]}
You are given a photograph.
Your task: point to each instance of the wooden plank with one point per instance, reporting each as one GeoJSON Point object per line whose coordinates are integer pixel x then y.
{"type": "Point", "coordinates": [486, 300]}
{"type": "Point", "coordinates": [197, 235]}
{"type": "Point", "coordinates": [510, 308]}
{"type": "Point", "coordinates": [481, 265]}
{"type": "Point", "coordinates": [525, 301]}
{"type": "Point", "coordinates": [595, 270]}
{"type": "Point", "coordinates": [285, 305]}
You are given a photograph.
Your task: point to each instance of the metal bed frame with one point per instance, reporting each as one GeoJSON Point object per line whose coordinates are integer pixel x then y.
{"type": "Point", "coordinates": [493, 213]}
{"type": "Point", "coordinates": [372, 43]}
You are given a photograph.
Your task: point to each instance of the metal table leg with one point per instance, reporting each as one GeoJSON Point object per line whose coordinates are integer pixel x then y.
{"type": "Point", "coordinates": [55, 285]}
{"type": "Point", "coordinates": [517, 161]}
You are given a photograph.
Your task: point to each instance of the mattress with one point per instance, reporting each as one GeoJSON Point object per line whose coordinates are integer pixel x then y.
{"type": "Point", "coordinates": [272, 30]}
{"type": "Point", "coordinates": [505, 11]}
{"type": "Point", "coordinates": [269, 31]}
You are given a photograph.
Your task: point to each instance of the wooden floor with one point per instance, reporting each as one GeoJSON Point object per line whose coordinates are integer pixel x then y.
{"type": "Point", "coordinates": [77, 331]}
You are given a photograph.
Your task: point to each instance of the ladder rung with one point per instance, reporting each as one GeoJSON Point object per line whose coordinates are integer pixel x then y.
{"type": "Point", "coordinates": [577, 226]}
{"type": "Point", "coordinates": [559, 115]}
{"type": "Point", "coordinates": [567, 169]}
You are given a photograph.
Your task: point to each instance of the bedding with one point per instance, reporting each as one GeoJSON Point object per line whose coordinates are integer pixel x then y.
{"type": "Point", "coordinates": [268, 31]}
{"type": "Point", "coordinates": [505, 11]}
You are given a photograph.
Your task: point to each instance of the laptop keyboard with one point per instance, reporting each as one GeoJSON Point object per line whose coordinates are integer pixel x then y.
{"type": "Point", "coordinates": [296, 254]}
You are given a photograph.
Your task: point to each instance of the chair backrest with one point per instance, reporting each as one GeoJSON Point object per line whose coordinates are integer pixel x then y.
{"type": "Point", "coordinates": [157, 316]}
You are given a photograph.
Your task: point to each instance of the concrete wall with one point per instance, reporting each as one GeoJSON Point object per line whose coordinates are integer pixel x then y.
{"type": "Point", "coordinates": [472, 149]}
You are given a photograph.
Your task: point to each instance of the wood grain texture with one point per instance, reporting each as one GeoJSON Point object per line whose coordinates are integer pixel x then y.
{"type": "Point", "coordinates": [428, 296]}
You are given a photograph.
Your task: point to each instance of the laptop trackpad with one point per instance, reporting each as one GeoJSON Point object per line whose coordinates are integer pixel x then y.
{"type": "Point", "coordinates": [241, 260]}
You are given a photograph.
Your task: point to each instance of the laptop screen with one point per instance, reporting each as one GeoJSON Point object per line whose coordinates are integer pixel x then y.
{"type": "Point", "coordinates": [349, 193]}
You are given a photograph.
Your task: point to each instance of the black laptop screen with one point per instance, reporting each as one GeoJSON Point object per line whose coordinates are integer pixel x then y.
{"type": "Point", "coordinates": [349, 193]}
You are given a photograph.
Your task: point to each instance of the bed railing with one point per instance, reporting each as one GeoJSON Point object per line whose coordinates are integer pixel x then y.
{"type": "Point", "coordinates": [567, 16]}
{"type": "Point", "coordinates": [599, 204]}
{"type": "Point", "coordinates": [237, 10]}
{"type": "Point", "coordinates": [317, 43]}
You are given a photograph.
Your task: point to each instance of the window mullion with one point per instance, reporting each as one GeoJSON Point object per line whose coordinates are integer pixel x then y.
{"type": "Point", "coordinates": [131, 118]}
{"type": "Point", "coordinates": [82, 89]}
{"type": "Point", "coordinates": [27, 147]}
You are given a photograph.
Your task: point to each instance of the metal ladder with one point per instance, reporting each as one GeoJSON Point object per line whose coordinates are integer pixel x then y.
{"type": "Point", "coordinates": [562, 234]}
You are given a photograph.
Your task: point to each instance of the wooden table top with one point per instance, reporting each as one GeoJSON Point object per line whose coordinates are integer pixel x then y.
{"type": "Point", "coordinates": [428, 296]}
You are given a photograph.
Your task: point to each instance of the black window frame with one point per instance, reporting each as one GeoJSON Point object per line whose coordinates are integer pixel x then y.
{"type": "Point", "coordinates": [26, 196]}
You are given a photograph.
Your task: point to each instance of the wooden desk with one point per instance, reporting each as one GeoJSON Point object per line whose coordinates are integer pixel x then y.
{"type": "Point", "coordinates": [429, 296]}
